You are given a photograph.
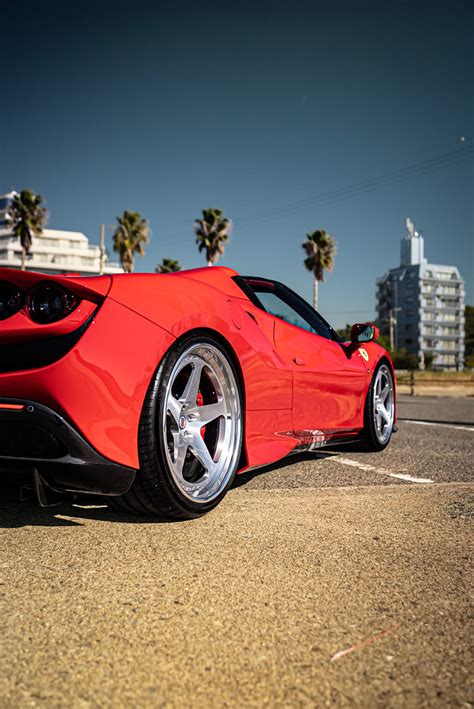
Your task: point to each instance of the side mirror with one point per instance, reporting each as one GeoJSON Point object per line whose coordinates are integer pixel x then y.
{"type": "Point", "coordinates": [364, 332]}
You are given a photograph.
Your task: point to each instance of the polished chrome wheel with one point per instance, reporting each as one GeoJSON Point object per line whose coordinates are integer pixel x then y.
{"type": "Point", "coordinates": [383, 404]}
{"type": "Point", "coordinates": [201, 422]}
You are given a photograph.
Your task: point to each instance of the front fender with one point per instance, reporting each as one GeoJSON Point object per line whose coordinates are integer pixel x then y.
{"type": "Point", "coordinates": [376, 353]}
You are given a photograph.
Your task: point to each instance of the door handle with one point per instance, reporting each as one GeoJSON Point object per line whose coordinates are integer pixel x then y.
{"type": "Point", "coordinates": [298, 360]}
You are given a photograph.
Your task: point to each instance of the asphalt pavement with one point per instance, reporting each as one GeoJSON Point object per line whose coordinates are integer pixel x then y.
{"type": "Point", "coordinates": [441, 409]}
{"type": "Point", "coordinates": [331, 579]}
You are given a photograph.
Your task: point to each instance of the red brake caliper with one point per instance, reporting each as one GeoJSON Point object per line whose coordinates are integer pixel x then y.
{"type": "Point", "coordinates": [200, 402]}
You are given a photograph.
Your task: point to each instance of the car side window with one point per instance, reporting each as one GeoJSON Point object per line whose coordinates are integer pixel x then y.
{"type": "Point", "coordinates": [277, 307]}
{"type": "Point", "coordinates": [280, 301]}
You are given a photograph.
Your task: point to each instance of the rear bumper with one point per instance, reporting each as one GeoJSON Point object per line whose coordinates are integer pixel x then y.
{"type": "Point", "coordinates": [33, 435]}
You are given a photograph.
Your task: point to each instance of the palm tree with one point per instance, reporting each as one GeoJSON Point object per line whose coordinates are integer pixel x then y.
{"type": "Point", "coordinates": [28, 218]}
{"type": "Point", "coordinates": [168, 265]}
{"type": "Point", "coordinates": [320, 250]}
{"type": "Point", "coordinates": [129, 238]}
{"type": "Point", "coordinates": [212, 232]}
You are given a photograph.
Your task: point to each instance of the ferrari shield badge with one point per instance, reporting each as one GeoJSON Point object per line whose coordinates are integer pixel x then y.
{"type": "Point", "coordinates": [364, 353]}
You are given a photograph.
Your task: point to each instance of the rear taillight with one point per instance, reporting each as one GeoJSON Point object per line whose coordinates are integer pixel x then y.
{"type": "Point", "coordinates": [11, 300]}
{"type": "Point", "coordinates": [49, 302]}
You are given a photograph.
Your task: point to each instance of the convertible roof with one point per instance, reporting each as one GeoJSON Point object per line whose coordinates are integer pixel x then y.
{"type": "Point", "coordinates": [219, 277]}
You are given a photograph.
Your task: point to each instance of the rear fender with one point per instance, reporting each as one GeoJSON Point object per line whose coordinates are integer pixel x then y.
{"type": "Point", "coordinates": [99, 386]}
{"type": "Point", "coordinates": [180, 305]}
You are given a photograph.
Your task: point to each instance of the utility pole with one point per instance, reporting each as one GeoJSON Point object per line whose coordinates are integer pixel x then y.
{"type": "Point", "coordinates": [392, 321]}
{"type": "Point", "coordinates": [102, 249]}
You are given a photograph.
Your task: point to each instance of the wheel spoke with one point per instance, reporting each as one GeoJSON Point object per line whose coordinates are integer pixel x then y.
{"type": "Point", "coordinates": [378, 387]}
{"type": "Point", "coordinates": [209, 412]}
{"type": "Point", "coordinates": [191, 389]}
{"type": "Point", "coordinates": [379, 421]}
{"type": "Point", "coordinates": [180, 454]}
{"type": "Point", "coordinates": [384, 413]}
{"type": "Point", "coordinates": [201, 452]}
{"type": "Point", "coordinates": [174, 407]}
{"type": "Point", "coordinates": [176, 438]}
{"type": "Point", "coordinates": [384, 393]}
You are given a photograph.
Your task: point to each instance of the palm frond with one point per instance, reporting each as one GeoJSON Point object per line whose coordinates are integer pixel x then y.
{"type": "Point", "coordinates": [321, 249]}
{"type": "Point", "coordinates": [212, 233]}
{"type": "Point", "coordinates": [28, 217]}
{"type": "Point", "coordinates": [130, 237]}
{"type": "Point", "coordinates": [168, 265]}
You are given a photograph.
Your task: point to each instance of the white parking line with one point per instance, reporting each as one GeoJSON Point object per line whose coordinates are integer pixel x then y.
{"type": "Point", "coordinates": [379, 471]}
{"type": "Point", "coordinates": [434, 423]}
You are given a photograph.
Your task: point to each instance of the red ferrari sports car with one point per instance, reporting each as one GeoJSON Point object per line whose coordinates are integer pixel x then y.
{"type": "Point", "coordinates": [157, 389]}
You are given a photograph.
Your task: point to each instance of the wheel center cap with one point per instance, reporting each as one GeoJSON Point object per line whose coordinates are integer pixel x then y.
{"type": "Point", "coordinates": [182, 422]}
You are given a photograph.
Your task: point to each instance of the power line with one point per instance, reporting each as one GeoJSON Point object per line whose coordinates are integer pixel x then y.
{"type": "Point", "coordinates": [330, 197]}
{"type": "Point", "coordinates": [304, 185]}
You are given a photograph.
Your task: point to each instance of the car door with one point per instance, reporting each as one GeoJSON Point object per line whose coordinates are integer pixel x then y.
{"type": "Point", "coordinates": [329, 378]}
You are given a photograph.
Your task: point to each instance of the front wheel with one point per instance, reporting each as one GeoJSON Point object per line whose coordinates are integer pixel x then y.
{"type": "Point", "coordinates": [190, 434]}
{"type": "Point", "coordinates": [379, 410]}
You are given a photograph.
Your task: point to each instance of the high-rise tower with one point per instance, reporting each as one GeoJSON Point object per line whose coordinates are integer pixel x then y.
{"type": "Point", "coordinates": [421, 305]}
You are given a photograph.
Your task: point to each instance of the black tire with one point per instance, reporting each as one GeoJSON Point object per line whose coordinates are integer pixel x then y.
{"type": "Point", "coordinates": [155, 491]}
{"type": "Point", "coordinates": [371, 440]}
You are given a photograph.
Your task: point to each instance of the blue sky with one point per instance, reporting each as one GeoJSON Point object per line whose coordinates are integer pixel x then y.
{"type": "Point", "coordinates": [288, 116]}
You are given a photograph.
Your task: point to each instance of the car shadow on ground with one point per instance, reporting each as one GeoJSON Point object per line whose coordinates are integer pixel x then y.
{"type": "Point", "coordinates": [16, 511]}
{"type": "Point", "coordinates": [248, 475]}
{"type": "Point", "coordinates": [19, 508]}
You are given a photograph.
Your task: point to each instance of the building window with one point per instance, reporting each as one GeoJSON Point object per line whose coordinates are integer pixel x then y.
{"type": "Point", "coordinates": [447, 359]}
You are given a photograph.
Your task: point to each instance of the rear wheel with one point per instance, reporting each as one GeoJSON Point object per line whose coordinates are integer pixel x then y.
{"type": "Point", "coordinates": [379, 410]}
{"type": "Point", "coordinates": [190, 434]}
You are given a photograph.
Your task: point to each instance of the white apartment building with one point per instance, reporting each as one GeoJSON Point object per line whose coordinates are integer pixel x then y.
{"type": "Point", "coordinates": [55, 251]}
{"type": "Point", "coordinates": [422, 305]}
